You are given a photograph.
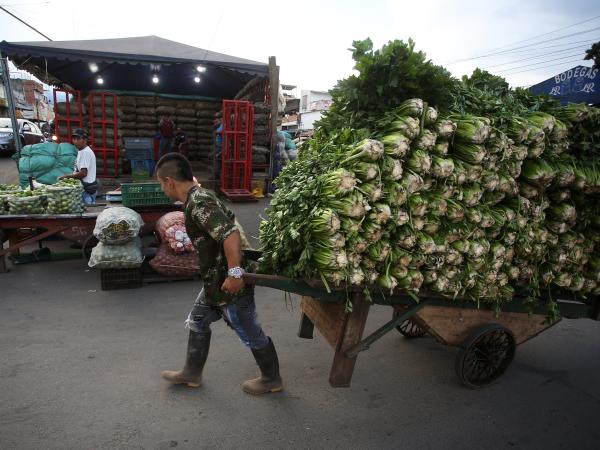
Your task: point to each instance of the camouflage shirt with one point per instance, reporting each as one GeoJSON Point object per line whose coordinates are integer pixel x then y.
{"type": "Point", "coordinates": [208, 223]}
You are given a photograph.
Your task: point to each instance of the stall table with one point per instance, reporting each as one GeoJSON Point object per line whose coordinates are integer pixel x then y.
{"type": "Point", "coordinates": [22, 230]}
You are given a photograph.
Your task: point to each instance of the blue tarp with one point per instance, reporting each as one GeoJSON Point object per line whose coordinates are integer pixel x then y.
{"type": "Point", "coordinates": [577, 85]}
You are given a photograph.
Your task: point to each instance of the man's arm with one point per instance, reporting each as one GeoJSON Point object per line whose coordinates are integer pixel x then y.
{"type": "Point", "coordinates": [233, 252]}
{"type": "Point", "coordinates": [79, 175]}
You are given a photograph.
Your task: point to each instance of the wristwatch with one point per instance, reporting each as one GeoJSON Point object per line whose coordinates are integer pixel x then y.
{"type": "Point", "coordinates": [236, 272]}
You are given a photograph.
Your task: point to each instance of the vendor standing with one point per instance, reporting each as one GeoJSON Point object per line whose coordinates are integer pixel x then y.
{"type": "Point", "coordinates": [85, 166]}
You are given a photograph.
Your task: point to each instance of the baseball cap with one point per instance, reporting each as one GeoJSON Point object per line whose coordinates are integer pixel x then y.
{"type": "Point", "coordinates": [79, 132]}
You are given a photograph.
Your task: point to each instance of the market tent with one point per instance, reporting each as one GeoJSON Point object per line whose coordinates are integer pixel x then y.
{"type": "Point", "coordinates": [580, 84]}
{"type": "Point", "coordinates": [128, 64]}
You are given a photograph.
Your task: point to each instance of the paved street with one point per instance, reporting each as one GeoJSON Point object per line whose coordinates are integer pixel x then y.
{"type": "Point", "coordinates": [79, 369]}
{"type": "Point", "coordinates": [8, 170]}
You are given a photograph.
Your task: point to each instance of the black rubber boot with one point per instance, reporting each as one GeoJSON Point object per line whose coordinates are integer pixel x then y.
{"type": "Point", "coordinates": [197, 352]}
{"type": "Point", "coordinates": [269, 380]}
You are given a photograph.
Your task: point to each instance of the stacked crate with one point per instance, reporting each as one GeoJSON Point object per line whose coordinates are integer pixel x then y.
{"type": "Point", "coordinates": [104, 132]}
{"type": "Point", "coordinates": [139, 153]}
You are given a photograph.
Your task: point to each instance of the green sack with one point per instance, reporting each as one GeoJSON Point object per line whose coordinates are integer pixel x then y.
{"type": "Point", "coordinates": [46, 162]}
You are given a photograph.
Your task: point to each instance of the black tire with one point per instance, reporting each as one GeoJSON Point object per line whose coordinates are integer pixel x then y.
{"type": "Point", "coordinates": [409, 328]}
{"type": "Point", "coordinates": [86, 247]}
{"type": "Point", "coordinates": [485, 355]}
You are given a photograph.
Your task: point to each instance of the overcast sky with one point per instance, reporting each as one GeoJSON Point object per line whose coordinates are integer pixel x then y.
{"type": "Point", "coordinates": [310, 38]}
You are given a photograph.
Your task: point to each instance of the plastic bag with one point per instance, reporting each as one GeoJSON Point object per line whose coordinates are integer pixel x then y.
{"type": "Point", "coordinates": [46, 162]}
{"type": "Point", "coordinates": [124, 256]}
{"type": "Point", "coordinates": [178, 239]}
{"type": "Point", "coordinates": [4, 203]}
{"type": "Point", "coordinates": [167, 221]}
{"type": "Point", "coordinates": [65, 199]}
{"type": "Point", "coordinates": [117, 225]}
{"type": "Point", "coordinates": [169, 264]}
{"type": "Point", "coordinates": [21, 205]}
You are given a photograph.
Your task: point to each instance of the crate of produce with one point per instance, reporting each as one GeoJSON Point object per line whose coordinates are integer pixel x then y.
{"type": "Point", "coordinates": [143, 194]}
{"type": "Point", "coordinates": [142, 169]}
{"type": "Point", "coordinates": [120, 278]}
{"type": "Point", "coordinates": [138, 148]}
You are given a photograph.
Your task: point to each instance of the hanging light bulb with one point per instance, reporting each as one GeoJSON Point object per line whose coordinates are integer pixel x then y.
{"type": "Point", "coordinates": [100, 80]}
{"type": "Point", "coordinates": [94, 67]}
{"type": "Point", "coordinates": [197, 79]}
{"type": "Point", "coordinates": [201, 69]}
{"type": "Point", "coordinates": [155, 79]}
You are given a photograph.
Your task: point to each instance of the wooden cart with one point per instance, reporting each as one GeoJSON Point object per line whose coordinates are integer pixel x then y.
{"type": "Point", "coordinates": [486, 341]}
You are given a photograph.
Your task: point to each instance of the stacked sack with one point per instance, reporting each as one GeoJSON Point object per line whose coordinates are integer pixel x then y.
{"type": "Point", "coordinates": [176, 256]}
{"type": "Point", "coordinates": [260, 135]}
{"type": "Point", "coordinates": [127, 116]}
{"type": "Point", "coordinates": [46, 162]}
{"type": "Point", "coordinates": [60, 110]}
{"type": "Point", "coordinates": [205, 116]}
{"type": "Point", "coordinates": [6, 190]}
{"type": "Point", "coordinates": [65, 197]}
{"type": "Point", "coordinates": [120, 247]}
{"type": "Point", "coordinates": [146, 120]}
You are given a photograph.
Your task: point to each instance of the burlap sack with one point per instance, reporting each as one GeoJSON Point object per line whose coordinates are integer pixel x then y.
{"type": "Point", "coordinates": [165, 110]}
{"type": "Point", "coordinates": [145, 101]}
{"type": "Point", "coordinates": [146, 125]}
{"type": "Point", "coordinates": [169, 264]}
{"type": "Point", "coordinates": [212, 106]}
{"type": "Point", "coordinates": [126, 100]}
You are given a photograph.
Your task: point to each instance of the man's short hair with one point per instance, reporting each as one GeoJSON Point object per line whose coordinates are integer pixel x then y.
{"type": "Point", "coordinates": [176, 166]}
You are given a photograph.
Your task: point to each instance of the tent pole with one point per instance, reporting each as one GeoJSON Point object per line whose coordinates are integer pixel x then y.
{"type": "Point", "coordinates": [11, 102]}
{"type": "Point", "coordinates": [274, 87]}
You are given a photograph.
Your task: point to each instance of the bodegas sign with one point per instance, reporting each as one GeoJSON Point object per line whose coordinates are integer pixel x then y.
{"type": "Point", "coordinates": [576, 85]}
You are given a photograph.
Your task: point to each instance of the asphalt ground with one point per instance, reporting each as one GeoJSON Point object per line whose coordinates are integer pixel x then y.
{"type": "Point", "coordinates": [79, 369]}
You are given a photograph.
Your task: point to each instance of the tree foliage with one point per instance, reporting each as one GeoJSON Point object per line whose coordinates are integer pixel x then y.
{"type": "Point", "coordinates": [594, 53]}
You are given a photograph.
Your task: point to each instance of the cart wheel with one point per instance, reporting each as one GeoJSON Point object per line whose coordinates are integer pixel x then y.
{"type": "Point", "coordinates": [485, 355]}
{"type": "Point", "coordinates": [87, 246]}
{"type": "Point", "coordinates": [409, 328]}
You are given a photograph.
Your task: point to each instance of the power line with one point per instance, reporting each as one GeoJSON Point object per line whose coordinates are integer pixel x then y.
{"type": "Point", "coordinates": [537, 56]}
{"type": "Point", "coordinates": [564, 61]}
{"type": "Point", "coordinates": [525, 46]}
{"type": "Point", "coordinates": [541, 62]}
{"type": "Point", "coordinates": [22, 21]}
{"type": "Point", "coordinates": [543, 67]}
{"type": "Point", "coordinates": [586, 41]}
{"type": "Point", "coordinates": [546, 34]}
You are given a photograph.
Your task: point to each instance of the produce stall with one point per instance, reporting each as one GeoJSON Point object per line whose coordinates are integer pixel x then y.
{"type": "Point", "coordinates": [22, 230]}
{"type": "Point", "coordinates": [121, 88]}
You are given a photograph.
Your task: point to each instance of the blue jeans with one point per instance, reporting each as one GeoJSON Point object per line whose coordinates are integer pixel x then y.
{"type": "Point", "coordinates": [89, 199]}
{"type": "Point", "coordinates": [164, 147]}
{"type": "Point", "coordinates": [239, 314]}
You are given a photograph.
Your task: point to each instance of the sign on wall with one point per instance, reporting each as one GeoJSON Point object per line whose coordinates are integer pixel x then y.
{"type": "Point", "coordinates": [577, 85]}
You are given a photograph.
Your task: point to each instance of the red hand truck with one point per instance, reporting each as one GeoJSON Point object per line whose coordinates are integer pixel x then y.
{"type": "Point", "coordinates": [236, 154]}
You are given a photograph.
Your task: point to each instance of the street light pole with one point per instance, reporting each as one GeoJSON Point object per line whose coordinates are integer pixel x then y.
{"type": "Point", "coordinates": [11, 102]}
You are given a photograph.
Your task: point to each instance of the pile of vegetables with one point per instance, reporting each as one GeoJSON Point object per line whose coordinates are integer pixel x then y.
{"type": "Point", "coordinates": [27, 202]}
{"type": "Point", "coordinates": [123, 256]}
{"type": "Point", "coordinates": [64, 197]}
{"type": "Point", "coordinates": [446, 200]}
{"type": "Point", "coordinates": [5, 191]}
{"type": "Point", "coordinates": [117, 229]}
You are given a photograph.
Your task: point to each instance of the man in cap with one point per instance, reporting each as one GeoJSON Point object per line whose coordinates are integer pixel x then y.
{"type": "Point", "coordinates": [218, 239]}
{"type": "Point", "coordinates": [85, 166]}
